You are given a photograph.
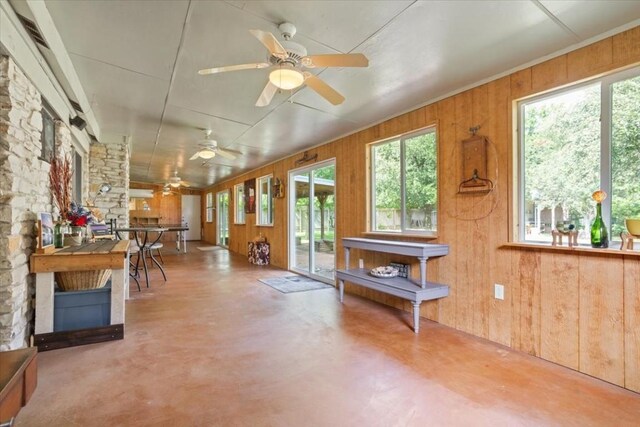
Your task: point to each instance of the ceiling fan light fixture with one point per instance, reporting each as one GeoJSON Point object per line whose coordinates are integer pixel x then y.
{"type": "Point", "coordinates": [206, 154]}
{"type": "Point", "coordinates": [175, 184]}
{"type": "Point", "coordinates": [286, 78]}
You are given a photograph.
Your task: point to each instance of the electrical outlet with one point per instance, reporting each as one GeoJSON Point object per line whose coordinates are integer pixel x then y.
{"type": "Point", "coordinates": [361, 263]}
{"type": "Point", "coordinates": [499, 291]}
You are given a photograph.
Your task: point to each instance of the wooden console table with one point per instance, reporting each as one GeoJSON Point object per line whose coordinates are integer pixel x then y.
{"type": "Point", "coordinates": [397, 286]}
{"type": "Point", "coordinates": [18, 380]}
{"type": "Point", "coordinates": [91, 256]}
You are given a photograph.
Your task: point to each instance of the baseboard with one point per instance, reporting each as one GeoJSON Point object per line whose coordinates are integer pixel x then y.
{"type": "Point", "coordinates": [56, 340]}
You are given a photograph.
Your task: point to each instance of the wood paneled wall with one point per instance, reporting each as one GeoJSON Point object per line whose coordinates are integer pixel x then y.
{"type": "Point", "coordinates": [579, 310]}
{"type": "Point", "coordinates": [168, 208]}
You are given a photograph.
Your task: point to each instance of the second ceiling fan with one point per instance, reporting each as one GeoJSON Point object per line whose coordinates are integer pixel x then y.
{"type": "Point", "coordinates": [288, 60]}
{"type": "Point", "coordinates": [208, 149]}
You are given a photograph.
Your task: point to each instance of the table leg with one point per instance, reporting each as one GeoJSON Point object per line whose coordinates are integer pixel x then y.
{"type": "Point", "coordinates": [178, 241]}
{"type": "Point", "coordinates": [346, 258]}
{"type": "Point", "coordinates": [144, 265]}
{"type": "Point", "coordinates": [126, 275]}
{"type": "Point", "coordinates": [423, 272]}
{"type": "Point", "coordinates": [158, 264]}
{"type": "Point", "coordinates": [341, 282]}
{"type": "Point", "coordinates": [44, 303]}
{"type": "Point", "coordinates": [416, 316]}
{"type": "Point", "coordinates": [184, 241]}
{"type": "Point", "coordinates": [118, 292]}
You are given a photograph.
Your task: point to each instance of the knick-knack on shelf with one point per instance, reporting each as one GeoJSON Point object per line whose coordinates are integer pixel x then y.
{"type": "Point", "coordinates": [599, 235]}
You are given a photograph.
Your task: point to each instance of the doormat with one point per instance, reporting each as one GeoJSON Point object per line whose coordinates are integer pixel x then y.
{"type": "Point", "coordinates": [208, 248]}
{"type": "Point", "coordinates": [289, 284]}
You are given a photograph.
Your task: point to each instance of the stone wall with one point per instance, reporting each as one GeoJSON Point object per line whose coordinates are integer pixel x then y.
{"type": "Point", "coordinates": [24, 191]}
{"type": "Point", "coordinates": [109, 163]}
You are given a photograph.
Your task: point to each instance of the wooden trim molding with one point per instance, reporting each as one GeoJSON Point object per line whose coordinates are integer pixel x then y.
{"type": "Point", "coordinates": [580, 250]}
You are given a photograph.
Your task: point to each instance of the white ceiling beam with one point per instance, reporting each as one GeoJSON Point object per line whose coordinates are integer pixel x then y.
{"type": "Point", "coordinates": [19, 45]}
{"type": "Point", "coordinates": [52, 36]}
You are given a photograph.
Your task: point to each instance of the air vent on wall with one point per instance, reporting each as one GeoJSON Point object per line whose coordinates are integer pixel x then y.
{"type": "Point", "coordinates": [76, 106]}
{"type": "Point", "coordinates": [33, 31]}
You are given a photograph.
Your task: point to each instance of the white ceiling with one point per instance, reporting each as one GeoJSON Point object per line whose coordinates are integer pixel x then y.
{"type": "Point", "coordinates": [138, 60]}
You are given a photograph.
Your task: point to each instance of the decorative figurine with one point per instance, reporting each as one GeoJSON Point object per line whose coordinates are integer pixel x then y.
{"type": "Point", "coordinates": [565, 229]}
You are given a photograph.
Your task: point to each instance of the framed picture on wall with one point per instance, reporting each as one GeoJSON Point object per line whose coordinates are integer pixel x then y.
{"type": "Point", "coordinates": [250, 196]}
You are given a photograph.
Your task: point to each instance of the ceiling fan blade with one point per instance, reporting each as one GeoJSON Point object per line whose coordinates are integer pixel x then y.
{"type": "Point", "coordinates": [233, 68]}
{"type": "Point", "coordinates": [271, 43]}
{"type": "Point", "coordinates": [336, 60]}
{"type": "Point", "coordinates": [323, 89]}
{"type": "Point", "coordinates": [195, 156]}
{"type": "Point", "coordinates": [225, 154]}
{"type": "Point", "coordinates": [267, 95]}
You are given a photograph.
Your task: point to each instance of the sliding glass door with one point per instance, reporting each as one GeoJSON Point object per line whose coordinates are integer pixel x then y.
{"type": "Point", "coordinates": [312, 213]}
{"type": "Point", "coordinates": [223, 218]}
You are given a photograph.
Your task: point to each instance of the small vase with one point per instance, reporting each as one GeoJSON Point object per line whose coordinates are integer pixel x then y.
{"type": "Point", "coordinates": [72, 239]}
{"type": "Point", "coordinates": [599, 235]}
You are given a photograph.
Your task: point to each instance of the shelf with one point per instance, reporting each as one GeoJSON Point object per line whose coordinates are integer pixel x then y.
{"type": "Point", "coordinates": [399, 236]}
{"type": "Point", "coordinates": [577, 250]}
{"type": "Point", "coordinates": [398, 286]}
{"type": "Point", "coordinates": [420, 250]}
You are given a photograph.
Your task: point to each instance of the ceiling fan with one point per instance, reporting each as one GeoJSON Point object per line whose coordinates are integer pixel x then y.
{"type": "Point", "coordinates": [209, 149]}
{"type": "Point", "coordinates": [288, 60]}
{"type": "Point", "coordinates": [176, 182]}
{"type": "Point", "coordinates": [167, 190]}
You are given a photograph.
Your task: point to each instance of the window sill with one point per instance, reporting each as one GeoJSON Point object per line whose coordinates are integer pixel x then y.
{"type": "Point", "coordinates": [401, 235]}
{"type": "Point", "coordinates": [239, 223]}
{"type": "Point", "coordinates": [264, 225]}
{"type": "Point", "coordinates": [579, 250]}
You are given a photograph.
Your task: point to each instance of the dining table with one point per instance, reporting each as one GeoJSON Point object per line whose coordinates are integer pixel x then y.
{"type": "Point", "coordinates": [145, 245]}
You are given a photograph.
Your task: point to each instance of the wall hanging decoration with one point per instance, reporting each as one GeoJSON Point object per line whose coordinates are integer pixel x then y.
{"type": "Point", "coordinates": [474, 164]}
{"type": "Point", "coordinates": [278, 188]}
{"type": "Point", "coordinates": [306, 157]}
{"type": "Point", "coordinates": [250, 196]}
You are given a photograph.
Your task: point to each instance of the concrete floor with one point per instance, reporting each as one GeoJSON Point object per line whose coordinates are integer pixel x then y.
{"type": "Point", "coordinates": [215, 347]}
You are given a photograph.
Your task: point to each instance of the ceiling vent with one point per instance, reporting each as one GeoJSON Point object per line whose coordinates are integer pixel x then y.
{"type": "Point", "coordinates": [33, 30]}
{"type": "Point", "coordinates": [76, 106]}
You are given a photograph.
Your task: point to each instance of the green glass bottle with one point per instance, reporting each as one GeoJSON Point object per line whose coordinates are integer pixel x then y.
{"type": "Point", "coordinates": [599, 236]}
{"type": "Point", "coordinates": [57, 234]}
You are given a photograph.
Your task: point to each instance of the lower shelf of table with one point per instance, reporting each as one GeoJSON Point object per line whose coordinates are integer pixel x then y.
{"type": "Point", "coordinates": [397, 286]}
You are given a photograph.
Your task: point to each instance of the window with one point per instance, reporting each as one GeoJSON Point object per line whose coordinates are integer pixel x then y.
{"type": "Point", "coordinates": [573, 142]}
{"type": "Point", "coordinates": [47, 136]}
{"type": "Point", "coordinates": [210, 207]}
{"type": "Point", "coordinates": [238, 196]}
{"type": "Point", "coordinates": [404, 184]}
{"type": "Point", "coordinates": [265, 201]}
{"type": "Point", "coordinates": [77, 177]}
